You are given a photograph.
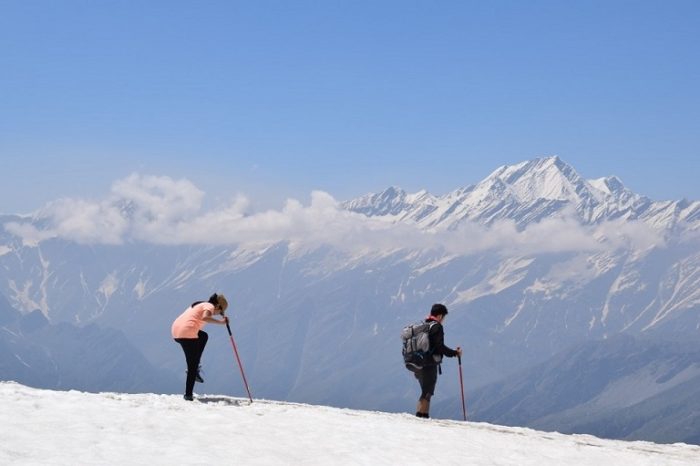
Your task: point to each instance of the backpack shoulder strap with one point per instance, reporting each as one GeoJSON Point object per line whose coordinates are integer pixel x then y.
{"type": "Point", "coordinates": [431, 324]}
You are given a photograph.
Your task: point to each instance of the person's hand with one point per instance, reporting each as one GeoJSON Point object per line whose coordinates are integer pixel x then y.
{"type": "Point", "coordinates": [459, 351]}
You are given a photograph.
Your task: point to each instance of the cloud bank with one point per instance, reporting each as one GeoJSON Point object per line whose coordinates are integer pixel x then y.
{"type": "Point", "coordinates": [160, 210]}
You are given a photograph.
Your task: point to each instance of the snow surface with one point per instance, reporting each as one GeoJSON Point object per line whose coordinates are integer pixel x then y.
{"type": "Point", "coordinates": [68, 428]}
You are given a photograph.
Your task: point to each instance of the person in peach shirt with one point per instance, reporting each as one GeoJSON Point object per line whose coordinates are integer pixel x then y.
{"type": "Point", "coordinates": [187, 331]}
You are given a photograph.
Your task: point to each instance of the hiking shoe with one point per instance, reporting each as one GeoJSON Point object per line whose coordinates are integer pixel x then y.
{"type": "Point", "coordinates": [188, 397]}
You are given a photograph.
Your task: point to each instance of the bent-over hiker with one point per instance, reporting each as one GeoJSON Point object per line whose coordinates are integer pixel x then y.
{"type": "Point", "coordinates": [187, 331]}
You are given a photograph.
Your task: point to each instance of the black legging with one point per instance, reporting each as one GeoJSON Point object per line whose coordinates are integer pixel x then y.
{"type": "Point", "coordinates": [193, 348]}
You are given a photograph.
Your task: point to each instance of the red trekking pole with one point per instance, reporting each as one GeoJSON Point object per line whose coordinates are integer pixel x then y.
{"type": "Point", "coordinates": [235, 351]}
{"type": "Point", "coordinates": [461, 384]}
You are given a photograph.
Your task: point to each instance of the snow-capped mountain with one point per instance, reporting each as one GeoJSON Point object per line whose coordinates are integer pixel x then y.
{"type": "Point", "coordinates": [530, 261]}
{"type": "Point", "coordinates": [527, 192]}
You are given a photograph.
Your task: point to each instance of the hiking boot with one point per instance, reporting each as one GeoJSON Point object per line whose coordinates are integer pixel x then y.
{"type": "Point", "coordinates": [198, 377]}
{"type": "Point", "coordinates": [188, 397]}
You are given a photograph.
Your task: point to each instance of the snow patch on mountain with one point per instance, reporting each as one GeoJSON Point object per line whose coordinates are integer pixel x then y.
{"type": "Point", "coordinates": [681, 289]}
{"type": "Point", "coordinates": [140, 289]}
{"type": "Point", "coordinates": [109, 285]}
{"type": "Point", "coordinates": [510, 272]}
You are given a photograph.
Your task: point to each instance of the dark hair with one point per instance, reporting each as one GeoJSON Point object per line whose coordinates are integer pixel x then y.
{"type": "Point", "coordinates": [438, 310]}
{"type": "Point", "coordinates": [213, 299]}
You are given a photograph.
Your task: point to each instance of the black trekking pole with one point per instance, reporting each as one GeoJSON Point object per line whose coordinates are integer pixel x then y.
{"type": "Point", "coordinates": [235, 351]}
{"type": "Point", "coordinates": [461, 384]}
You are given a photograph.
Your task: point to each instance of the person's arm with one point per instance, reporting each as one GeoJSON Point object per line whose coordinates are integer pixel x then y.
{"type": "Point", "coordinates": [439, 346]}
{"type": "Point", "coordinates": [207, 317]}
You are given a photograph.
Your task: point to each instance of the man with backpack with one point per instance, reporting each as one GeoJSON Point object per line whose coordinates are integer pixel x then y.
{"type": "Point", "coordinates": [428, 372]}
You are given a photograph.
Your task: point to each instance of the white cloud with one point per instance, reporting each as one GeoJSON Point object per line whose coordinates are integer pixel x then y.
{"type": "Point", "coordinates": [31, 236]}
{"type": "Point", "coordinates": [158, 198]}
{"type": "Point", "coordinates": [165, 211]}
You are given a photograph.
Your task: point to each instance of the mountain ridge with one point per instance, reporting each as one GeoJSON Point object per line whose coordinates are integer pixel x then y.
{"type": "Point", "coordinates": [317, 321]}
{"type": "Point", "coordinates": [526, 192]}
{"type": "Point", "coordinates": [623, 387]}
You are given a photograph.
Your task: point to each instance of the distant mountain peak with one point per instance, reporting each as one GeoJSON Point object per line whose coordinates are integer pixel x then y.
{"type": "Point", "coordinates": [525, 192]}
{"type": "Point", "coordinates": [610, 185]}
{"type": "Point", "coordinates": [388, 202]}
{"type": "Point", "coordinates": [392, 192]}
{"type": "Point", "coordinates": [543, 178]}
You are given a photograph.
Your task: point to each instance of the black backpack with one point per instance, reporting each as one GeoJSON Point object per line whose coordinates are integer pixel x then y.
{"type": "Point", "coordinates": [416, 346]}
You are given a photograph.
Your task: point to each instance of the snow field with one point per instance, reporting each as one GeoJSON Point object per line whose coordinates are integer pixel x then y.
{"type": "Point", "coordinates": [43, 427]}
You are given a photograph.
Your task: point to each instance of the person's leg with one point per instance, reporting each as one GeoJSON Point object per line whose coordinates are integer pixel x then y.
{"type": "Point", "coordinates": [202, 338]}
{"type": "Point", "coordinates": [427, 380]}
{"type": "Point", "coordinates": [423, 407]}
{"type": "Point", "coordinates": [420, 376]}
{"type": "Point", "coordinates": [190, 346]}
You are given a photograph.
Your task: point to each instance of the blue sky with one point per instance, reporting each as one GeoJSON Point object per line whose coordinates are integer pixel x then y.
{"type": "Point", "coordinates": [275, 99]}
